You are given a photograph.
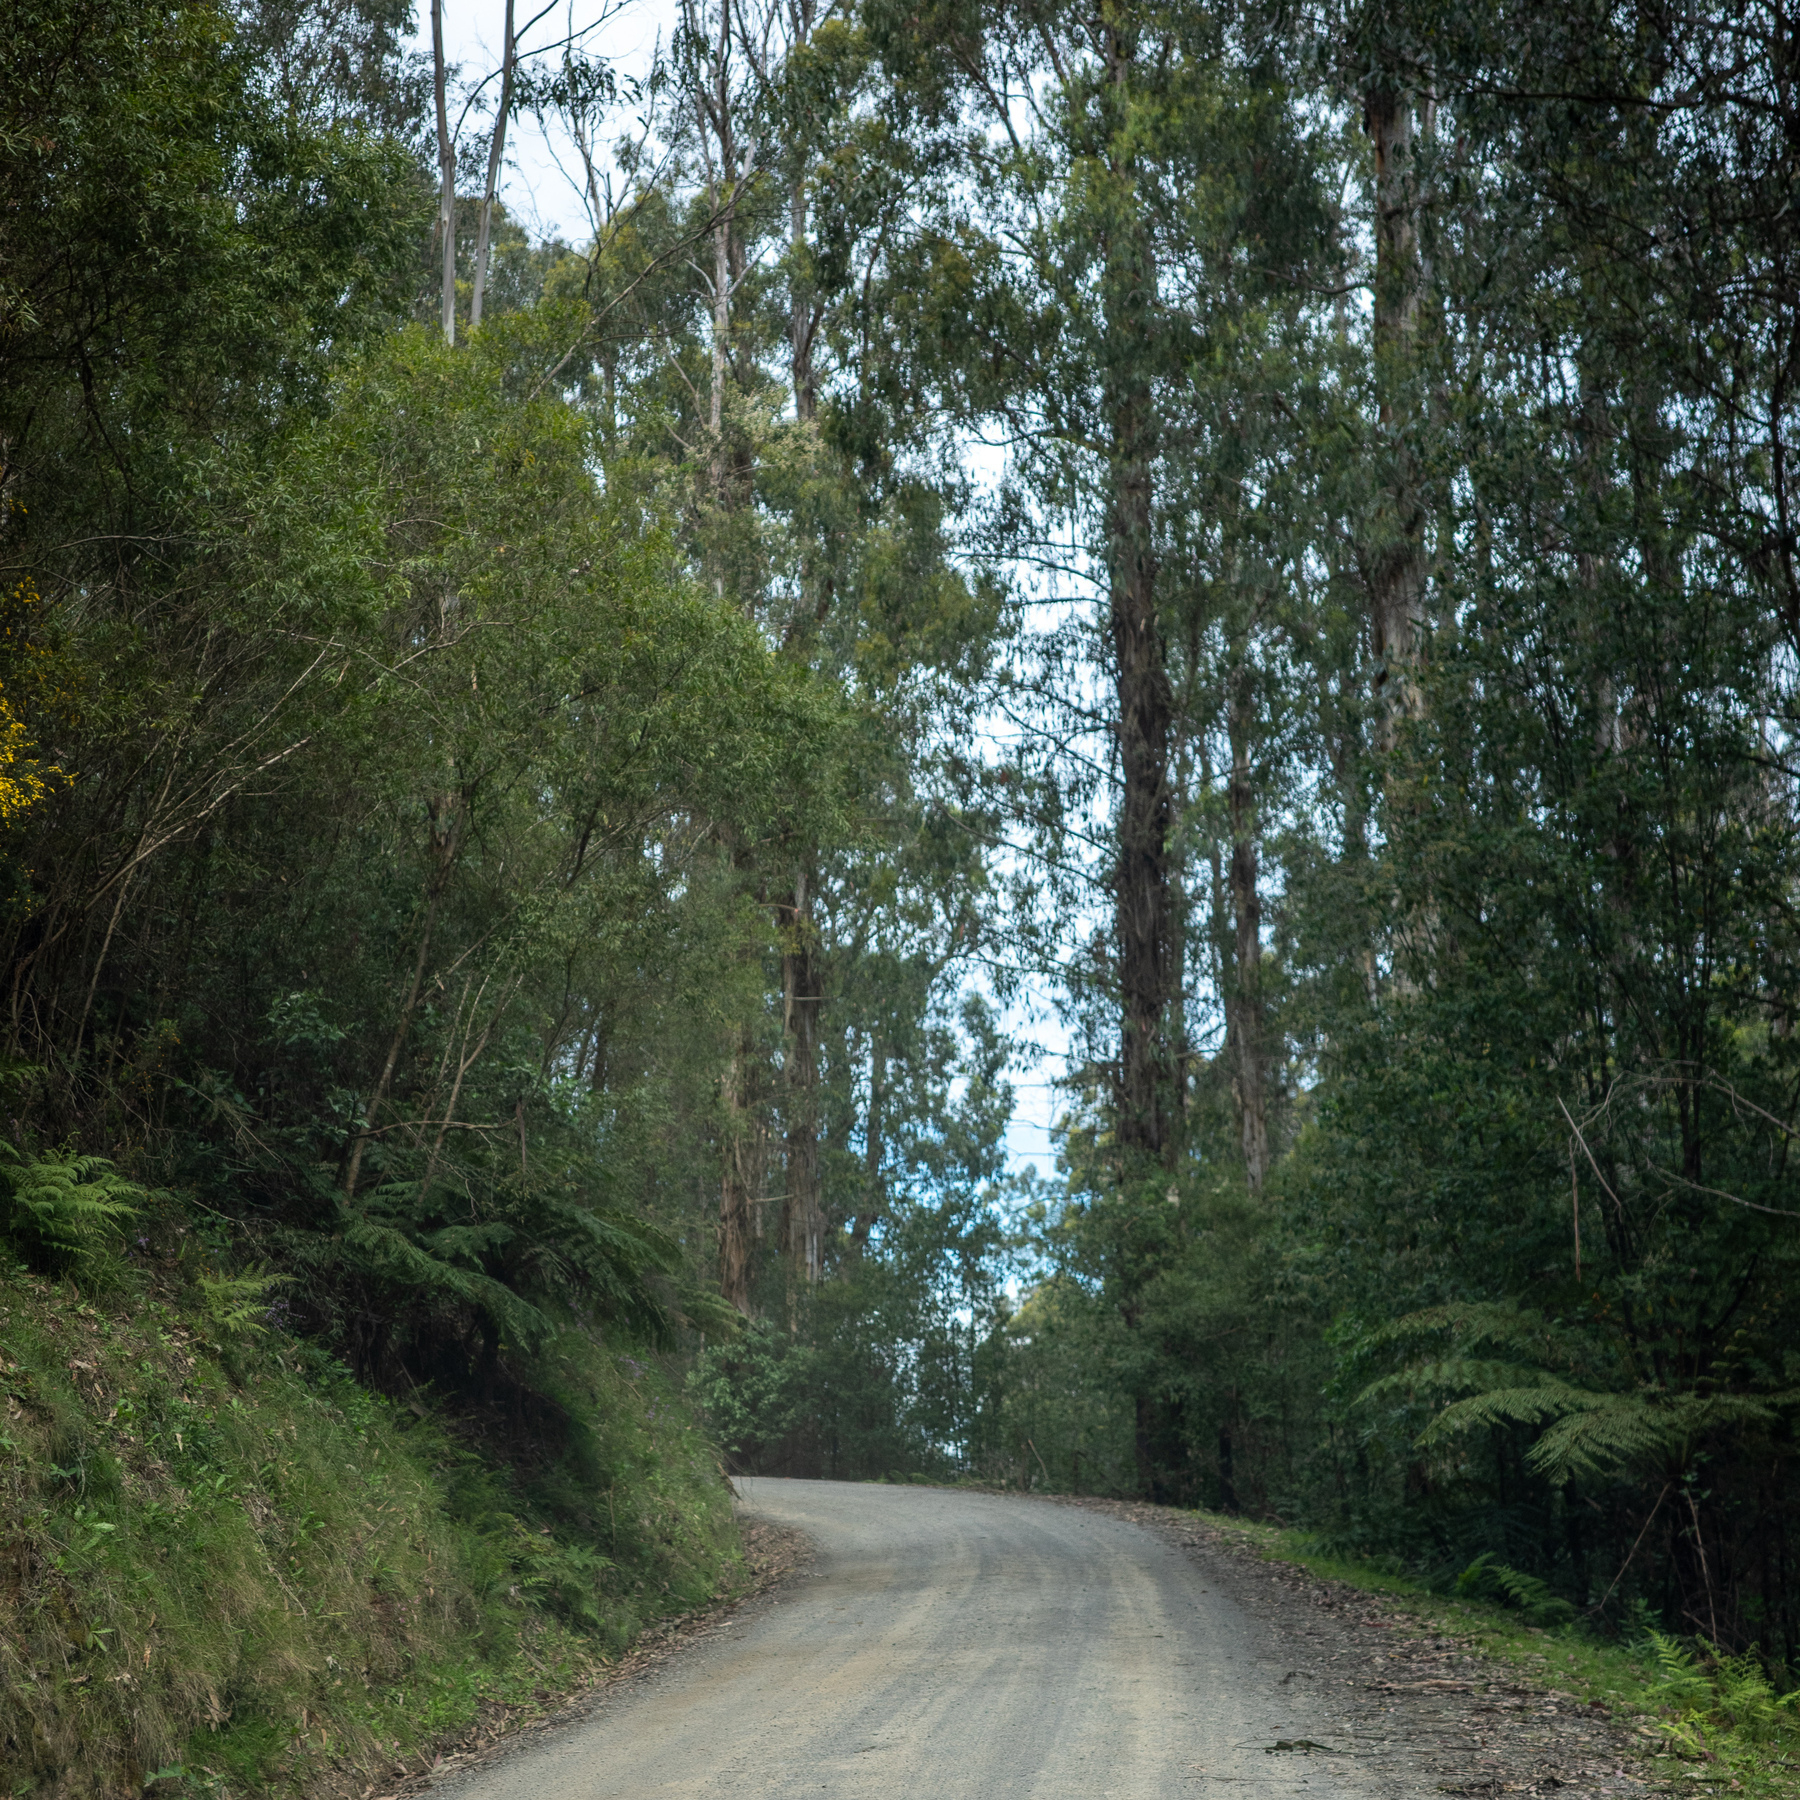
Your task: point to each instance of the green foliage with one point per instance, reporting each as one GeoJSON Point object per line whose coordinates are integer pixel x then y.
{"type": "Point", "coordinates": [890, 1366]}
{"type": "Point", "coordinates": [67, 1212]}
{"type": "Point", "coordinates": [1745, 1700]}
{"type": "Point", "coordinates": [255, 1569]}
{"type": "Point", "coordinates": [1718, 1710]}
{"type": "Point", "coordinates": [531, 810]}
{"type": "Point", "coordinates": [1472, 681]}
{"type": "Point", "coordinates": [565, 1578]}
{"type": "Point", "coordinates": [1681, 1683]}
{"type": "Point", "coordinates": [1485, 1578]}
{"type": "Point", "coordinates": [234, 1306]}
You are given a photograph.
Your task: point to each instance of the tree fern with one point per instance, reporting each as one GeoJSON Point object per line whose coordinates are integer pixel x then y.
{"type": "Point", "coordinates": [1472, 1323]}
{"type": "Point", "coordinates": [392, 1253]}
{"type": "Point", "coordinates": [1453, 1375]}
{"type": "Point", "coordinates": [1603, 1432]}
{"type": "Point", "coordinates": [1587, 1430]}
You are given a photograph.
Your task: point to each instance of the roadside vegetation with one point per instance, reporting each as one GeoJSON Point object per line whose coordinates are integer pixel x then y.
{"type": "Point", "coordinates": [1705, 1720]}
{"type": "Point", "coordinates": [443, 705]}
{"type": "Point", "coordinates": [546, 787]}
{"type": "Point", "coordinates": [233, 1569]}
{"type": "Point", "coordinates": [1392, 763]}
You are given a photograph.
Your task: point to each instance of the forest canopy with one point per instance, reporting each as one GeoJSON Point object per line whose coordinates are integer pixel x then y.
{"type": "Point", "coordinates": [547, 786]}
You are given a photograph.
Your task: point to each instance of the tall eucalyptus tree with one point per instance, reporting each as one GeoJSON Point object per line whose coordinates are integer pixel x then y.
{"type": "Point", "coordinates": [741, 351]}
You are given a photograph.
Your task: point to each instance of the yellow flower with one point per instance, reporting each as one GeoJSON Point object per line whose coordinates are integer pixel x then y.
{"type": "Point", "coordinates": [21, 779]}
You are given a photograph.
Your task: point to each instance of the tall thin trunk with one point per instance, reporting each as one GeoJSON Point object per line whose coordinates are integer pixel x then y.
{"type": "Point", "coordinates": [112, 925]}
{"type": "Point", "coordinates": [802, 972]}
{"type": "Point", "coordinates": [713, 103]}
{"type": "Point", "coordinates": [446, 173]}
{"type": "Point", "coordinates": [737, 1199]}
{"type": "Point", "coordinates": [1146, 1126]}
{"type": "Point", "coordinates": [721, 335]}
{"type": "Point", "coordinates": [800, 319]}
{"type": "Point", "coordinates": [1344, 745]}
{"type": "Point", "coordinates": [1143, 900]}
{"type": "Point", "coordinates": [1143, 908]}
{"type": "Point", "coordinates": [496, 151]}
{"type": "Point", "coordinates": [801, 18]}
{"type": "Point", "coordinates": [803, 1213]}
{"type": "Point", "coordinates": [1180, 1044]}
{"type": "Point", "coordinates": [1245, 1005]}
{"type": "Point", "coordinates": [1396, 565]}
{"type": "Point", "coordinates": [726, 169]}
{"type": "Point", "coordinates": [1143, 912]}
{"type": "Point", "coordinates": [1220, 934]}
{"type": "Point", "coordinates": [466, 1059]}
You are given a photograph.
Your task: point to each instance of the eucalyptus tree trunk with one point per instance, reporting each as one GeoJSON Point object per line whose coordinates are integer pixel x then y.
{"type": "Point", "coordinates": [802, 970]}
{"type": "Point", "coordinates": [721, 337]}
{"type": "Point", "coordinates": [1396, 558]}
{"type": "Point", "coordinates": [1143, 896]}
{"type": "Point", "coordinates": [1246, 1023]}
{"type": "Point", "coordinates": [446, 173]}
{"type": "Point", "coordinates": [729, 164]}
{"type": "Point", "coordinates": [496, 151]}
{"type": "Point", "coordinates": [802, 1210]}
{"type": "Point", "coordinates": [1142, 905]}
{"type": "Point", "coordinates": [802, 317]}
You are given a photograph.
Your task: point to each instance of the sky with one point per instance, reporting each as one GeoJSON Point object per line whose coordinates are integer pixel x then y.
{"type": "Point", "coordinates": [1036, 1101]}
{"type": "Point", "coordinates": [542, 188]}
{"type": "Point", "coordinates": [542, 185]}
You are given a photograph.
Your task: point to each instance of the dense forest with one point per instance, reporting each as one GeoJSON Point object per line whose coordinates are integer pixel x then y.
{"type": "Point", "coordinates": [547, 787]}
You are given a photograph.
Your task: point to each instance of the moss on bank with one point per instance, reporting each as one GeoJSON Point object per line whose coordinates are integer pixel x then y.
{"type": "Point", "coordinates": [227, 1568]}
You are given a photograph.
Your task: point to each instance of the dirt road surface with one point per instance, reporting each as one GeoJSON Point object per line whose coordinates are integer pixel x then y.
{"type": "Point", "coordinates": [946, 1645]}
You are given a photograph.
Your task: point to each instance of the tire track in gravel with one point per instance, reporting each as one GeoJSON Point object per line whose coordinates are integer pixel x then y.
{"type": "Point", "coordinates": [945, 1644]}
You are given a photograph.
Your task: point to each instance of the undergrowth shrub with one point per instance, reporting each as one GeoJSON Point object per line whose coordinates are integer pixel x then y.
{"type": "Point", "coordinates": [1487, 1579]}
{"type": "Point", "coordinates": [1733, 1695]}
{"type": "Point", "coordinates": [225, 1562]}
{"type": "Point", "coordinates": [65, 1214]}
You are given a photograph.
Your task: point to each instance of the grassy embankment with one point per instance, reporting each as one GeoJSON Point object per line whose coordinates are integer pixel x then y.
{"type": "Point", "coordinates": [1705, 1722]}
{"type": "Point", "coordinates": [226, 1569]}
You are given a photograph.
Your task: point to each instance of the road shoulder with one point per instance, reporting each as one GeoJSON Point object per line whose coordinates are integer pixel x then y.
{"type": "Point", "coordinates": [1413, 1703]}
{"type": "Point", "coordinates": [774, 1557]}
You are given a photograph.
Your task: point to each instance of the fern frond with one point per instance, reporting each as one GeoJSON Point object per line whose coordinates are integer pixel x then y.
{"type": "Point", "coordinates": [1614, 1429]}
{"type": "Point", "coordinates": [69, 1209]}
{"type": "Point", "coordinates": [1523, 1404]}
{"type": "Point", "coordinates": [1683, 1682]}
{"type": "Point", "coordinates": [390, 1253]}
{"type": "Point", "coordinates": [1474, 1322]}
{"type": "Point", "coordinates": [234, 1304]}
{"type": "Point", "coordinates": [705, 1309]}
{"type": "Point", "coordinates": [1450, 1374]}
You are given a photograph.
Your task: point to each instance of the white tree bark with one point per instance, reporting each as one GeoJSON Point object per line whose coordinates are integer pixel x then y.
{"type": "Point", "coordinates": [496, 151]}
{"type": "Point", "coordinates": [446, 173]}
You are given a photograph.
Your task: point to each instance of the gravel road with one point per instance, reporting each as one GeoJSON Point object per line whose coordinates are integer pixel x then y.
{"type": "Point", "coordinates": [948, 1645]}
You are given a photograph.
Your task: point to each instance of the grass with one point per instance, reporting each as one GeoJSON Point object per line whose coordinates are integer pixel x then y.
{"type": "Point", "coordinates": [1706, 1723]}
{"type": "Point", "coordinates": [227, 1569]}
